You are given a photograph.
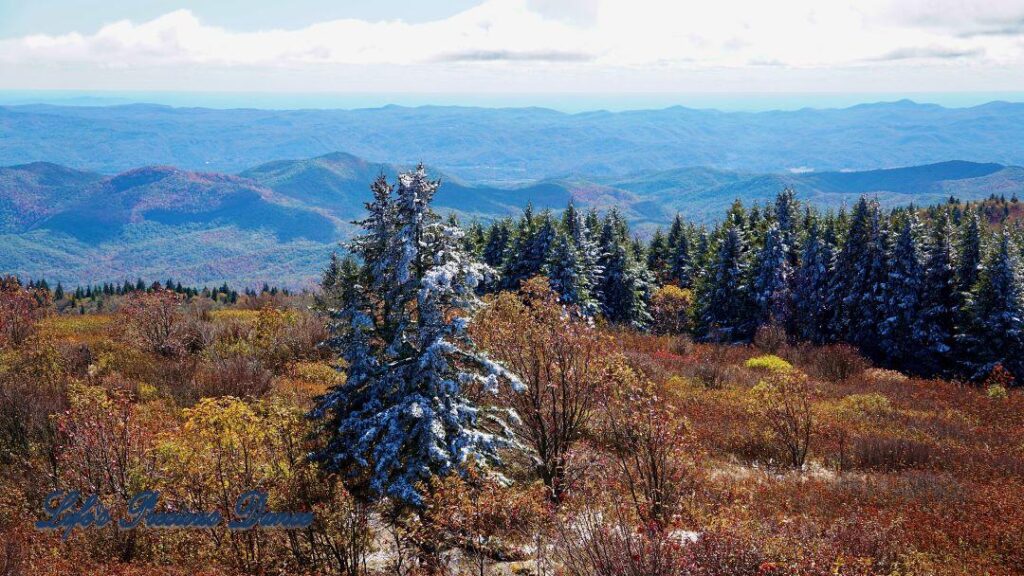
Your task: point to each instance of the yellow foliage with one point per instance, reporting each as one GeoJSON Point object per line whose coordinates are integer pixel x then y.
{"type": "Point", "coordinates": [88, 328]}
{"type": "Point", "coordinates": [869, 405]}
{"type": "Point", "coordinates": [238, 314]}
{"type": "Point", "coordinates": [883, 375]}
{"type": "Point", "coordinates": [996, 392]}
{"type": "Point", "coordinates": [318, 373]}
{"type": "Point", "coordinates": [769, 363]}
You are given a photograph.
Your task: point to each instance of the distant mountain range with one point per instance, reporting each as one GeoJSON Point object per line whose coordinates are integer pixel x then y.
{"type": "Point", "coordinates": [278, 221]}
{"type": "Point", "coordinates": [479, 145]}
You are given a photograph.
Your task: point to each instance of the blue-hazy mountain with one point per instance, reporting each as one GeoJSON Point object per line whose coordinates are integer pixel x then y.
{"type": "Point", "coordinates": [278, 221]}
{"type": "Point", "coordinates": [516, 144]}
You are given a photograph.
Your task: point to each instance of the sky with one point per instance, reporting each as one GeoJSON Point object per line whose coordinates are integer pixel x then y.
{"type": "Point", "coordinates": [496, 48]}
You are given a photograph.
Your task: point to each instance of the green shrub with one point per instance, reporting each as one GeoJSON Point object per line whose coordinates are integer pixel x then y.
{"type": "Point", "coordinates": [769, 363]}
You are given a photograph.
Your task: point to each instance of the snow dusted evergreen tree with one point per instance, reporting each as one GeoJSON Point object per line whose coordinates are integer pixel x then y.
{"type": "Point", "coordinates": [514, 269]}
{"type": "Point", "coordinates": [811, 285]}
{"type": "Point", "coordinates": [403, 414]}
{"type": "Point", "coordinates": [683, 262]}
{"type": "Point", "coordinates": [475, 239]}
{"type": "Point", "coordinates": [900, 329]}
{"type": "Point", "coordinates": [724, 299]}
{"type": "Point", "coordinates": [568, 276]}
{"type": "Point", "coordinates": [529, 249]}
{"type": "Point", "coordinates": [970, 253]}
{"type": "Point", "coordinates": [626, 283]}
{"type": "Point", "coordinates": [659, 256]}
{"type": "Point", "coordinates": [675, 232]}
{"type": "Point", "coordinates": [939, 300]}
{"type": "Point", "coordinates": [772, 277]}
{"type": "Point", "coordinates": [571, 266]}
{"type": "Point", "coordinates": [787, 214]}
{"type": "Point", "coordinates": [579, 232]}
{"type": "Point", "coordinates": [858, 291]}
{"type": "Point", "coordinates": [496, 246]}
{"type": "Point", "coordinates": [996, 311]}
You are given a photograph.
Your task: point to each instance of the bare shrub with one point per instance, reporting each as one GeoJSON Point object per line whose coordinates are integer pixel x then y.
{"type": "Point", "coordinates": [646, 439]}
{"type": "Point", "coordinates": [155, 322]}
{"type": "Point", "coordinates": [681, 345]}
{"type": "Point", "coordinates": [723, 553]}
{"type": "Point", "coordinates": [770, 338]}
{"type": "Point", "coordinates": [783, 404]}
{"type": "Point", "coordinates": [561, 360]}
{"type": "Point", "coordinates": [607, 542]}
{"type": "Point", "coordinates": [20, 309]}
{"type": "Point", "coordinates": [712, 367]}
{"type": "Point", "coordinates": [835, 362]}
{"type": "Point", "coordinates": [236, 375]}
{"type": "Point", "coordinates": [886, 454]}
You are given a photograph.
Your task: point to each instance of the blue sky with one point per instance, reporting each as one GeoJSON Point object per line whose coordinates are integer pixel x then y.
{"type": "Point", "coordinates": [514, 47]}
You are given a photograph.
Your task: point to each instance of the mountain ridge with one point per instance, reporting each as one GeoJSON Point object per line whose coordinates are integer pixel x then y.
{"type": "Point", "coordinates": [279, 220]}
{"type": "Point", "coordinates": [506, 145]}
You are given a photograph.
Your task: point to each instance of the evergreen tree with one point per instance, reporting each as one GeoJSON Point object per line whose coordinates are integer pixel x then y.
{"type": "Point", "coordinates": [725, 307]}
{"type": "Point", "coordinates": [900, 329]}
{"type": "Point", "coordinates": [498, 237]}
{"type": "Point", "coordinates": [939, 300]}
{"type": "Point", "coordinates": [659, 256]}
{"type": "Point", "coordinates": [772, 278]}
{"type": "Point", "coordinates": [996, 312]}
{"type": "Point", "coordinates": [58, 293]}
{"type": "Point", "coordinates": [675, 233]}
{"type": "Point", "coordinates": [579, 275]}
{"type": "Point", "coordinates": [475, 239]}
{"type": "Point", "coordinates": [569, 277]}
{"type": "Point", "coordinates": [787, 215]}
{"type": "Point", "coordinates": [529, 249]}
{"type": "Point", "coordinates": [625, 282]}
{"type": "Point", "coordinates": [858, 291]}
{"type": "Point", "coordinates": [402, 415]}
{"type": "Point", "coordinates": [683, 262]}
{"type": "Point", "coordinates": [811, 285]}
{"type": "Point", "coordinates": [970, 253]}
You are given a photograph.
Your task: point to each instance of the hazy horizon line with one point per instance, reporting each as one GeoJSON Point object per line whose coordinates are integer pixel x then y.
{"type": "Point", "coordinates": [572, 103]}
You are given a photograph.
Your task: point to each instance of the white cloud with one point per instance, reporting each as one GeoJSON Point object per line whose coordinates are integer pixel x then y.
{"type": "Point", "coordinates": [582, 36]}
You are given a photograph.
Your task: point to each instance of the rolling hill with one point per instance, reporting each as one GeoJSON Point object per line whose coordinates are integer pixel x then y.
{"type": "Point", "coordinates": [278, 221]}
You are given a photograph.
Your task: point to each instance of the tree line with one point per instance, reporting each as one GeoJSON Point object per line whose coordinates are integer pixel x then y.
{"type": "Point", "coordinates": [931, 291]}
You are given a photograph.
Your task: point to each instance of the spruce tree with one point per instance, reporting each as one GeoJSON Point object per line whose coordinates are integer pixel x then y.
{"type": "Point", "coordinates": [787, 214]}
{"type": "Point", "coordinates": [970, 253]}
{"type": "Point", "coordinates": [858, 290]}
{"type": "Point", "coordinates": [900, 330]}
{"type": "Point", "coordinates": [683, 262]}
{"type": "Point", "coordinates": [498, 238]}
{"type": "Point", "coordinates": [577, 228]}
{"type": "Point", "coordinates": [400, 323]}
{"type": "Point", "coordinates": [939, 300]}
{"type": "Point", "coordinates": [811, 285]}
{"type": "Point", "coordinates": [659, 256]}
{"type": "Point", "coordinates": [996, 312]}
{"type": "Point", "coordinates": [772, 279]}
{"type": "Point", "coordinates": [725, 300]}
{"type": "Point", "coordinates": [626, 283]}
{"type": "Point", "coordinates": [568, 275]}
